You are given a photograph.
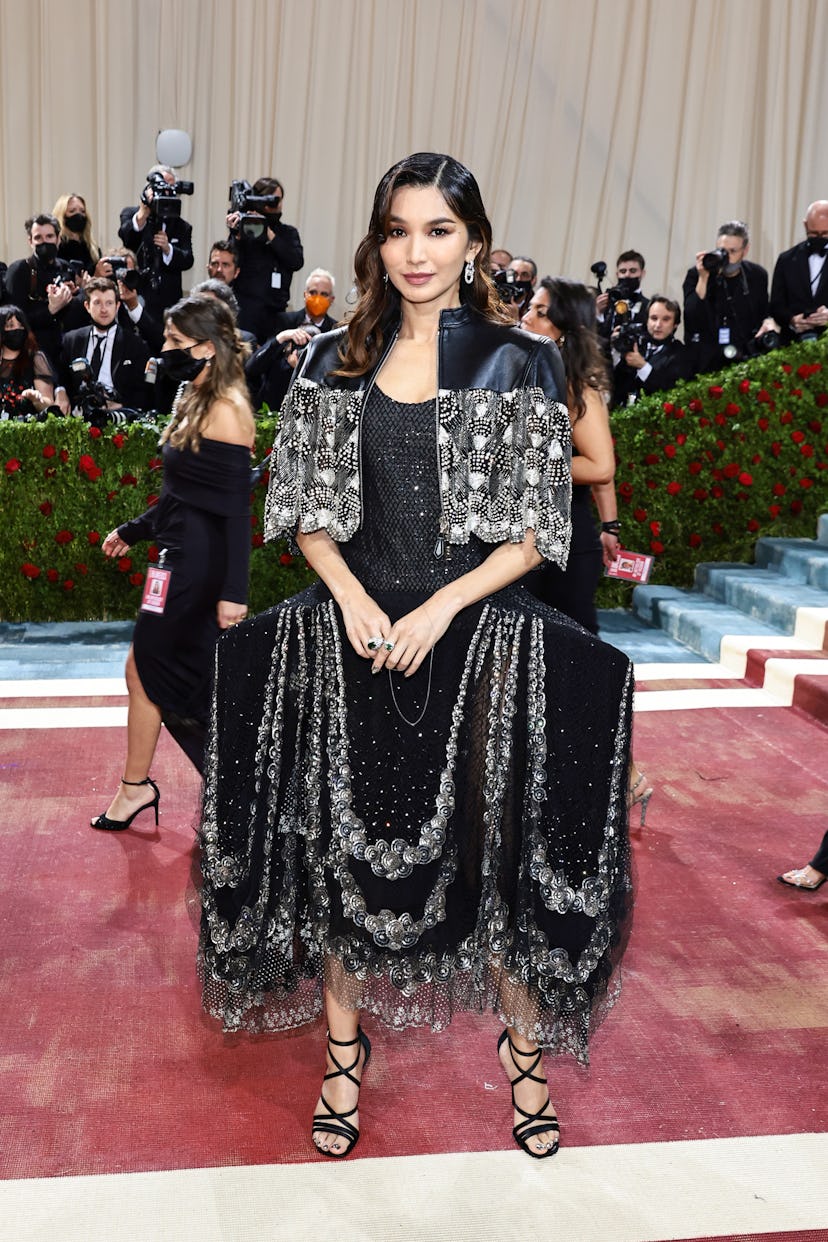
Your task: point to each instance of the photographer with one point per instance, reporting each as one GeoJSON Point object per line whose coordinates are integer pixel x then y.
{"type": "Point", "coordinates": [269, 371]}
{"type": "Point", "coordinates": [652, 358]}
{"type": "Point", "coordinates": [159, 237]}
{"type": "Point", "coordinates": [624, 303]}
{"type": "Point", "coordinates": [43, 286]}
{"type": "Point", "coordinates": [119, 264]}
{"type": "Point", "coordinates": [799, 290]}
{"type": "Point", "coordinates": [269, 252]}
{"type": "Point", "coordinates": [726, 305]}
{"type": "Point", "coordinates": [117, 358]}
{"type": "Point", "coordinates": [515, 285]}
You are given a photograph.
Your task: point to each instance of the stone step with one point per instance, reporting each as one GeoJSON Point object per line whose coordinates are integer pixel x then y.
{"type": "Point", "coordinates": [698, 621]}
{"type": "Point", "coordinates": [801, 560]}
{"type": "Point", "coordinates": [761, 594]}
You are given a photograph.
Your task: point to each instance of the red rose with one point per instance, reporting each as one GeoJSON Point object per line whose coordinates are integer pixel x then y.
{"type": "Point", "coordinates": [651, 483]}
{"type": "Point", "coordinates": [746, 479]}
{"type": "Point", "coordinates": [704, 422]}
{"type": "Point", "coordinates": [93, 537]}
{"type": "Point", "coordinates": [68, 585]}
{"type": "Point", "coordinates": [695, 467]}
{"type": "Point", "coordinates": [764, 396]}
{"type": "Point", "coordinates": [797, 436]}
{"type": "Point", "coordinates": [81, 568]}
{"type": "Point", "coordinates": [774, 510]}
{"type": "Point", "coordinates": [815, 426]}
{"type": "Point", "coordinates": [155, 463]}
{"type": "Point", "coordinates": [111, 495]}
{"type": "Point", "coordinates": [128, 480]}
{"type": "Point", "coordinates": [655, 528]}
{"type": "Point", "coordinates": [87, 466]}
{"type": "Point", "coordinates": [717, 528]}
{"type": "Point", "coordinates": [715, 390]}
{"type": "Point", "coordinates": [28, 570]}
{"type": "Point", "coordinates": [652, 459]}
{"type": "Point", "coordinates": [679, 413]}
{"type": "Point", "coordinates": [124, 564]}
{"type": "Point", "coordinates": [779, 489]}
{"type": "Point", "coordinates": [756, 458]}
{"type": "Point", "coordinates": [796, 507]}
{"type": "Point", "coordinates": [796, 392]}
{"type": "Point", "coordinates": [52, 575]}
{"type": "Point", "coordinates": [286, 559]}
{"type": "Point", "coordinates": [668, 407]}
{"type": "Point", "coordinates": [787, 368]}
{"type": "Point", "coordinates": [152, 553]}
{"type": "Point", "coordinates": [64, 455]}
{"type": "Point", "coordinates": [821, 399]}
{"type": "Point", "coordinates": [673, 489]}
{"type": "Point", "coordinates": [717, 492]}
{"type": "Point", "coordinates": [695, 540]}
{"type": "Point", "coordinates": [119, 439]}
{"type": "Point", "coordinates": [669, 450]}
{"type": "Point", "coordinates": [744, 386]}
{"type": "Point", "coordinates": [806, 450]}
{"type": "Point", "coordinates": [731, 470]}
{"type": "Point", "coordinates": [762, 424]}
{"type": "Point", "coordinates": [696, 406]}
{"type": "Point", "coordinates": [12, 465]}
{"type": "Point", "coordinates": [136, 579]}
{"type": "Point", "coordinates": [95, 432]}
{"type": "Point", "coordinates": [640, 515]}
{"type": "Point", "coordinates": [49, 450]}
{"type": "Point", "coordinates": [719, 420]}
{"type": "Point", "coordinates": [732, 408]}
{"type": "Point", "coordinates": [700, 493]}
{"type": "Point", "coordinates": [776, 448]}
{"type": "Point", "coordinates": [656, 546]}
{"type": "Point", "coordinates": [257, 540]}
{"type": "Point", "coordinates": [46, 508]}
{"type": "Point", "coordinates": [753, 525]}
{"type": "Point", "coordinates": [806, 483]}
{"type": "Point", "coordinates": [786, 417]}
{"type": "Point", "coordinates": [64, 537]}
{"type": "Point", "coordinates": [49, 472]}
{"type": "Point", "coordinates": [625, 490]}
{"type": "Point", "coordinates": [681, 438]}
{"type": "Point", "coordinates": [152, 499]}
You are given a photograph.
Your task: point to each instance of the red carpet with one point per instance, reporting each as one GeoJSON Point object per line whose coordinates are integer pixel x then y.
{"type": "Point", "coordinates": [109, 1065]}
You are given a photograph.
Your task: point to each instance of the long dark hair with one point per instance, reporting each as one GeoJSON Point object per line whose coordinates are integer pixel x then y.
{"type": "Point", "coordinates": [572, 310]}
{"type": "Point", "coordinates": [204, 318]}
{"type": "Point", "coordinates": [22, 364]}
{"type": "Point", "coordinates": [379, 302]}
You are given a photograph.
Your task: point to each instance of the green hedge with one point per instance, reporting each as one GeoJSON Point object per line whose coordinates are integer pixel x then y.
{"type": "Point", "coordinates": [702, 472]}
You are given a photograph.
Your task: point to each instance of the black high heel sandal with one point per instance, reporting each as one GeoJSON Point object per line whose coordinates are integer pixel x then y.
{"type": "Point", "coordinates": [535, 1123]}
{"type": "Point", "coordinates": [332, 1122]}
{"type": "Point", "coordinates": [118, 825]}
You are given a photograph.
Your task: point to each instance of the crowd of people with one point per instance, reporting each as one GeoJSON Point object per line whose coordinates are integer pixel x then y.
{"type": "Point", "coordinates": [730, 309]}
{"type": "Point", "coordinates": [417, 772]}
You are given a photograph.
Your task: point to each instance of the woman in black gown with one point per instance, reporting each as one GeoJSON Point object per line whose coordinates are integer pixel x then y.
{"type": "Point", "coordinates": [415, 783]}
{"type": "Point", "coordinates": [201, 526]}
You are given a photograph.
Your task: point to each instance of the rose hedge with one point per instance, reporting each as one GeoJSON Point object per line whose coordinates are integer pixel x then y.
{"type": "Point", "coordinates": [64, 486]}
{"type": "Point", "coordinates": [706, 469]}
{"type": "Point", "coordinates": [703, 471]}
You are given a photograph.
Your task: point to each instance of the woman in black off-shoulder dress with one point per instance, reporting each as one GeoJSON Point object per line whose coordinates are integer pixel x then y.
{"type": "Point", "coordinates": [416, 772]}
{"type": "Point", "coordinates": [201, 526]}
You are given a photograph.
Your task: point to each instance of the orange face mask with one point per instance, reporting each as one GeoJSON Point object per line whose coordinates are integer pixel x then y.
{"type": "Point", "coordinates": [317, 303]}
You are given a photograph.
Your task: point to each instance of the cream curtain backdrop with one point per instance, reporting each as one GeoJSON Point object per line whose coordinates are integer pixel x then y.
{"type": "Point", "coordinates": [592, 125]}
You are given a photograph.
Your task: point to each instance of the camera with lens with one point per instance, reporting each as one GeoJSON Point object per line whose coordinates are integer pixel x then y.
{"type": "Point", "coordinates": [128, 276]}
{"type": "Point", "coordinates": [599, 271]}
{"type": "Point", "coordinates": [631, 336]}
{"type": "Point", "coordinates": [512, 291]}
{"type": "Point", "coordinates": [165, 203]}
{"type": "Point", "coordinates": [764, 344]}
{"type": "Point", "coordinates": [715, 261]}
{"type": "Point", "coordinates": [621, 297]}
{"type": "Point", "coordinates": [92, 398]}
{"type": "Point", "coordinates": [251, 208]}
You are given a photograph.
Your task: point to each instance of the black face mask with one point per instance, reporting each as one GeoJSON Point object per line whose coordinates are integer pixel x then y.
{"type": "Point", "coordinates": [817, 245]}
{"type": "Point", "coordinates": [180, 365]}
{"type": "Point", "coordinates": [75, 223]}
{"type": "Point", "coordinates": [628, 284]}
{"type": "Point", "coordinates": [14, 338]}
{"type": "Point", "coordinates": [46, 251]}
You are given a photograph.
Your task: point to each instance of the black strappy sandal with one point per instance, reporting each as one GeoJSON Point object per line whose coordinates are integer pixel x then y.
{"type": "Point", "coordinates": [535, 1123]}
{"type": "Point", "coordinates": [332, 1122]}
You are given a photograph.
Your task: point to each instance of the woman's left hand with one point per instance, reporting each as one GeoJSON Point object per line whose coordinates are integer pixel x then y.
{"type": "Point", "coordinates": [413, 636]}
{"type": "Point", "coordinates": [609, 548]}
{"type": "Point", "coordinates": [228, 613]}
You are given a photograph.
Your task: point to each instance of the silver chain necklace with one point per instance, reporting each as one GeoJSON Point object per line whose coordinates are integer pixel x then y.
{"type": "Point", "coordinates": [403, 717]}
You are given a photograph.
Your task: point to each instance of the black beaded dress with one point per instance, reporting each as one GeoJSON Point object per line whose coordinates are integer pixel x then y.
{"type": "Point", "coordinates": [452, 841]}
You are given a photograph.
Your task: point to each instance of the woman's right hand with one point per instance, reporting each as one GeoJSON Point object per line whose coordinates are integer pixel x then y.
{"type": "Point", "coordinates": [364, 620]}
{"type": "Point", "coordinates": [114, 545]}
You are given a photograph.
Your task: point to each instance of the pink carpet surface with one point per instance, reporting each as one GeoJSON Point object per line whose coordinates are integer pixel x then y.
{"type": "Point", "coordinates": [108, 1063]}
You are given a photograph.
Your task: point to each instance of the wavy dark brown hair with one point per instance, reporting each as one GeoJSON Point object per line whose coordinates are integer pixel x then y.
{"type": "Point", "coordinates": [204, 318]}
{"type": "Point", "coordinates": [572, 309]}
{"type": "Point", "coordinates": [378, 308]}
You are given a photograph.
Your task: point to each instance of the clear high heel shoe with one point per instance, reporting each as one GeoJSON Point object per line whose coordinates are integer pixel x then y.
{"type": "Point", "coordinates": [639, 795]}
{"type": "Point", "coordinates": [118, 825]}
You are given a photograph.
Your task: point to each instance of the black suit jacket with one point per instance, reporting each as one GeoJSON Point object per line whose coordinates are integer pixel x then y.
{"type": "Point", "coordinates": [741, 301]}
{"type": "Point", "coordinates": [129, 358]}
{"type": "Point", "coordinates": [296, 319]}
{"type": "Point", "coordinates": [26, 282]}
{"type": "Point", "coordinates": [671, 364]}
{"type": "Point", "coordinates": [164, 286]}
{"type": "Point", "coordinates": [791, 287]}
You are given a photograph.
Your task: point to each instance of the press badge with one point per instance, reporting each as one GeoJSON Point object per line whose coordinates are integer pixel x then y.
{"type": "Point", "coordinates": [724, 336]}
{"type": "Point", "coordinates": [156, 587]}
{"type": "Point", "coordinates": [275, 280]}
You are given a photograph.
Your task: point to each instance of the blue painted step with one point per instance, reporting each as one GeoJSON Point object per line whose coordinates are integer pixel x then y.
{"type": "Point", "coordinates": [762, 594]}
{"type": "Point", "coordinates": [802, 560]}
{"type": "Point", "coordinates": [694, 619]}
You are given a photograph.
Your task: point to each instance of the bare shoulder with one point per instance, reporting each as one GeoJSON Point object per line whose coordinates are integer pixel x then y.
{"type": "Point", "coordinates": [231, 421]}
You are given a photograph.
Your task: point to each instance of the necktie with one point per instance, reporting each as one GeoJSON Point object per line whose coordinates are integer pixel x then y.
{"type": "Point", "coordinates": [97, 355]}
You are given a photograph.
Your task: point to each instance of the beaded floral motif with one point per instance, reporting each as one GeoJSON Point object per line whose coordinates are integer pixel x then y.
{"type": "Point", "coordinates": [504, 466]}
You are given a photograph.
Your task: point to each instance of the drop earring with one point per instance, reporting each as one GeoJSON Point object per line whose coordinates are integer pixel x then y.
{"type": "Point", "coordinates": [468, 272]}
